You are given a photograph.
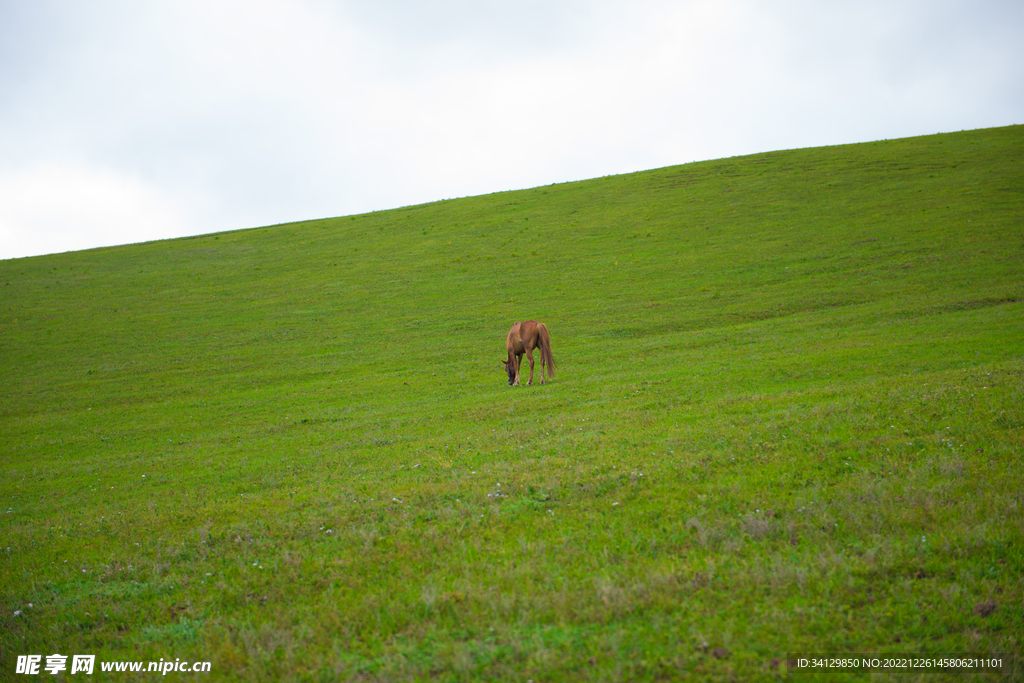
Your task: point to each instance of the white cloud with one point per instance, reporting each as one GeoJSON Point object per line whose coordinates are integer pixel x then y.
{"type": "Point", "coordinates": [233, 114]}
{"type": "Point", "coordinates": [61, 208]}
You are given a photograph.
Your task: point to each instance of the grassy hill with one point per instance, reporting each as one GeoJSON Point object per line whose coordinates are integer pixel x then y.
{"type": "Point", "coordinates": [788, 418]}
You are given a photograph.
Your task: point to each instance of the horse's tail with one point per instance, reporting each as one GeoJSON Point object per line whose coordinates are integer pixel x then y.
{"type": "Point", "coordinates": [545, 350]}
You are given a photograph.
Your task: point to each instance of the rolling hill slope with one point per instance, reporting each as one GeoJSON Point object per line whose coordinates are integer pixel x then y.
{"type": "Point", "coordinates": [788, 419]}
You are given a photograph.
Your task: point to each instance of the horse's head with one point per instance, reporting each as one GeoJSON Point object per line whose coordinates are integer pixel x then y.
{"type": "Point", "coordinates": [509, 371]}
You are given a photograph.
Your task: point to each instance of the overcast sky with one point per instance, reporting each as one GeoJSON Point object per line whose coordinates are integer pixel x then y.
{"type": "Point", "coordinates": [131, 121]}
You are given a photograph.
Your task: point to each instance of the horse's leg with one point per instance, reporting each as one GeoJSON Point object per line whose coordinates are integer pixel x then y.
{"type": "Point", "coordinates": [543, 364]}
{"type": "Point", "coordinates": [529, 356]}
{"type": "Point", "coordinates": [518, 359]}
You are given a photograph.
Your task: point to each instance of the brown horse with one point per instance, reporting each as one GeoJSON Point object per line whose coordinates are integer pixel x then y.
{"type": "Point", "coordinates": [524, 338]}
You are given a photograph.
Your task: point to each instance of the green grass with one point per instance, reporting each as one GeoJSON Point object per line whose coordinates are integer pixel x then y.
{"type": "Point", "coordinates": [788, 417]}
